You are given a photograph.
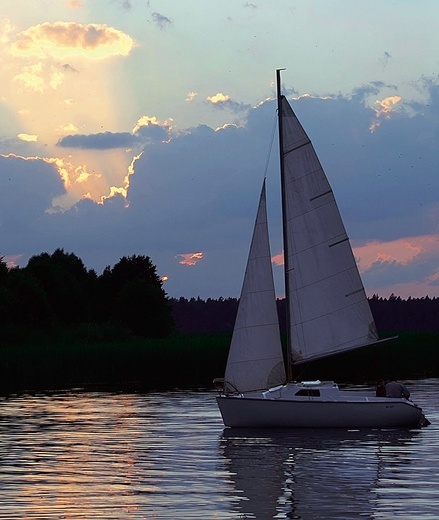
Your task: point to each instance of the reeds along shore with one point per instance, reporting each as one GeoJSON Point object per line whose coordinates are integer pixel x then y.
{"type": "Point", "coordinates": [190, 361]}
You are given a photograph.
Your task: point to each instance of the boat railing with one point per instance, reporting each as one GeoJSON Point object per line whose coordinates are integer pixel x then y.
{"type": "Point", "coordinates": [221, 384]}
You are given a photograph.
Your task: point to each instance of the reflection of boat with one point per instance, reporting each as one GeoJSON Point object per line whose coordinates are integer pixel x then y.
{"type": "Point", "coordinates": [302, 472]}
{"type": "Point", "coordinates": [327, 309]}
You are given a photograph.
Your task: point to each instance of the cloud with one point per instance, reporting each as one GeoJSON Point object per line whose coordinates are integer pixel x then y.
{"type": "Point", "coordinates": [191, 96]}
{"type": "Point", "coordinates": [62, 40]}
{"type": "Point", "coordinates": [11, 260]}
{"type": "Point", "coordinates": [408, 264]}
{"type": "Point", "coordinates": [189, 258]}
{"type": "Point", "coordinates": [162, 22]}
{"type": "Point", "coordinates": [196, 191]}
{"type": "Point", "coordinates": [69, 128]}
{"type": "Point", "coordinates": [28, 187]}
{"type": "Point", "coordinates": [125, 4]}
{"type": "Point", "coordinates": [147, 130]}
{"type": "Point", "coordinates": [6, 30]}
{"type": "Point", "coordinates": [100, 141]}
{"type": "Point", "coordinates": [384, 110]}
{"type": "Point", "coordinates": [31, 78]}
{"type": "Point", "coordinates": [28, 138]}
{"type": "Point", "coordinates": [224, 101]}
{"type": "Point", "coordinates": [402, 251]}
{"type": "Point", "coordinates": [152, 128]}
{"type": "Point", "coordinates": [219, 98]}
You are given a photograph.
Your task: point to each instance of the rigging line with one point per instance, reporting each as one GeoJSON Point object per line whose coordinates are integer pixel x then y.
{"type": "Point", "coordinates": [270, 147]}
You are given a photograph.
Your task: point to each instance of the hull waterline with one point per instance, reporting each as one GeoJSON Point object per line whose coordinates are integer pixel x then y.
{"type": "Point", "coordinates": [242, 412]}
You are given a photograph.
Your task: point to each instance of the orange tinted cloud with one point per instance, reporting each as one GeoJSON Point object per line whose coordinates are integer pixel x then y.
{"type": "Point", "coordinates": [65, 39]}
{"type": "Point", "coordinates": [384, 110]}
{"type": "Point", "coordinates": [278, 259]}
{"type": "Point", "coordinates": [189, 258]}
{"type": "Point", "coordinates": [402, 251]}
{"type": "Point", "coordinates": [12, 260]}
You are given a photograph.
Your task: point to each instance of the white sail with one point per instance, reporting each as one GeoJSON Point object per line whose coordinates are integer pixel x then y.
{"type": "Point", "coordinates": [328, 307]}
{"type": "Point", "coordinates": [255, 358]}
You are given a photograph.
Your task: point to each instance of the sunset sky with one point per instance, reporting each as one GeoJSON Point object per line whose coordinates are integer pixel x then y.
{"type": "Point", "coordinates": [143, 127]}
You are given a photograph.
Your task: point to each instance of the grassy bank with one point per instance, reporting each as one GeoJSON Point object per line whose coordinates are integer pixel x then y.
{"type": "Point", "coordinates": [189, 361]}
{"type": "Point", "coordinates": [183, 361]}
{"type": "Point", "coordinates": [413, 355]}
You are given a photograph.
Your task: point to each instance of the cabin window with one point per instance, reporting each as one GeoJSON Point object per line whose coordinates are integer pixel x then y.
{"type": "Point", "coordinates": [310, 392]}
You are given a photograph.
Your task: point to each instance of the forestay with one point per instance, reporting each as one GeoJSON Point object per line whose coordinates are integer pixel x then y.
{"type": "Point", "coordinates": [255, 358]}
{"type": "Point", "coordinates": [329, 311]}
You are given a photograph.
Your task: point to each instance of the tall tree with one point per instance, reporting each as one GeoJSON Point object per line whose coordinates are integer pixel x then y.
{"type": "Point", "coordinates": [67, 284]}
{"type": "Point", "coordinates": [131, 294]}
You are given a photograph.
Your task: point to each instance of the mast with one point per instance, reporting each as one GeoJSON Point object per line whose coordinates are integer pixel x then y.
{"type": "Point", "coordinates": [284, 221]}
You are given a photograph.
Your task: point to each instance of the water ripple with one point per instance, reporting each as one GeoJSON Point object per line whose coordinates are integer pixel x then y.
{"type": "Point", "coordinates": [83, 455]}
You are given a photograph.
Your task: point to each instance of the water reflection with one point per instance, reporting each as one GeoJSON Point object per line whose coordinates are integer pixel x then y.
{"type": "Point", "coordinates": [166, 455]}
{"type": "Point", "coordinates": [337, 474]}
{"type": "Point", "coordinates": [311, 473]}
{"type": "Point", "coordinates": [67, 447]}
{"type": "Point", "coordinates": [110, 456]}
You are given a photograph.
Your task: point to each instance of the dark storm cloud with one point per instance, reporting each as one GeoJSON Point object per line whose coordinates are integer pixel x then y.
{"type": "Point", "coordinates": [198, 191]}
{"type": "Point", "coordinates": [101, 141]}
{"type": "Point", "coordinates": [27, 188]}
{"type": "Point", "coordinates": [231, 105]}
{"type": "Point", "coordinates": [111, 140]}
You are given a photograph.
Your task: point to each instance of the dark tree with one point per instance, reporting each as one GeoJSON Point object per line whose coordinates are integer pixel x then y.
{"type": "Point", "coordinates": [131, 294]}
{"type": "Point", "coordinates": [3, 270]}
{"type": "Point", "coordinates": [27, 305]}
{"type": "Point", "coordinates": [68, 285]}
{"type": "Point", "coordinates": [4, 297]}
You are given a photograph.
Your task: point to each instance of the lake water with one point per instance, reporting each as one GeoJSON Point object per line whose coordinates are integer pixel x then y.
{"type": "Point", "coordinates": [166, 455]}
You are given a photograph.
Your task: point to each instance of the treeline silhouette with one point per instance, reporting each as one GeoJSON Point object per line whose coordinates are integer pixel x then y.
{"type": "Point", "coordinates": [392, 314]}
{"type": "Point", "coordinates": [55, 293]}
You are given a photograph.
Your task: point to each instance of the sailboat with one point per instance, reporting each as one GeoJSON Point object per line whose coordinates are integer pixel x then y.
{"type": "Point", "coordinates": [327, 310]}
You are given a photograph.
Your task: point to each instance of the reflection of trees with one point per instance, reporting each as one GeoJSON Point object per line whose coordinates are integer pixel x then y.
{"type": "Point", "coordinates": [310, 473]}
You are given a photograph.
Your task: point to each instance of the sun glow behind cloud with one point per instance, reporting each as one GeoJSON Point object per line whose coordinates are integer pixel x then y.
{"type": "Point", "coordinates": [219, 98]}
{"type": "Point", "coordinates": [62, 68]}
{"type": "Point", "coordinates": [384, 110]}
{"type": "Point", "coordinates": [89, 70]}
{"type": "Point", "coordinates": [63, 40]}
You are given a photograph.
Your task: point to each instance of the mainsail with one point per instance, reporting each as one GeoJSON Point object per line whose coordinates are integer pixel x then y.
{"type": "Point", "coordinates": [255, 358]}
{"type": "Point", "coordinates": [328, 307]}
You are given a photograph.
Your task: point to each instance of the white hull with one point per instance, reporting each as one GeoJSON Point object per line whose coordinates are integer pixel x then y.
{"type": "Point", "coordinates": [333, 409]}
